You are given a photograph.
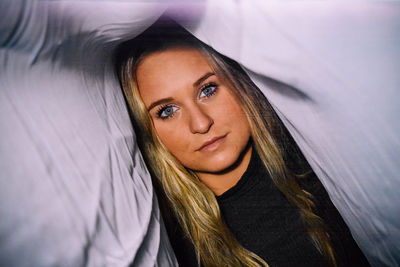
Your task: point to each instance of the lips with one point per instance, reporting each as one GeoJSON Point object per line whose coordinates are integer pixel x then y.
{"type": "Point", "coordinates": [212, 144]}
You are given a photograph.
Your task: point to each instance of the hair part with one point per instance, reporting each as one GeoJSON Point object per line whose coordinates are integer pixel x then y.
{"type": "Point", "coordinates": [194, 204]}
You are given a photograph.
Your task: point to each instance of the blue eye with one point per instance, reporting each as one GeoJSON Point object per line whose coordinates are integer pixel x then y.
{"type": "Point", "coordinates": [166, 112]}
{"type": "Point", "coordinates": [208, 90]}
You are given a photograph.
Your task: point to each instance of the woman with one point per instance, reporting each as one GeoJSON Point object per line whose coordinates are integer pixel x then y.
{"type": "Point", "coordinates": [224, 162]}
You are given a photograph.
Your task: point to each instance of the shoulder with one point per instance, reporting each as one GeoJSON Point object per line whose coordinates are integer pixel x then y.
{"type": "Point", "coordinates": [347, 252]}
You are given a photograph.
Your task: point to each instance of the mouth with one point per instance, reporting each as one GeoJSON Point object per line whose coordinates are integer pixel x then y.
{"type": "Point", "coordinates": [212, 144]}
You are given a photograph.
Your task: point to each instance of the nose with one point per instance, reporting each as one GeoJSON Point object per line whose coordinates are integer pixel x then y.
{"type": "Point", "coordinates": [200, 121]}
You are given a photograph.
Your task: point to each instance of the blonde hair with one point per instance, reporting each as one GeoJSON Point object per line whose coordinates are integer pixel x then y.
{"type": "Point", "coordinates": [193, 203]}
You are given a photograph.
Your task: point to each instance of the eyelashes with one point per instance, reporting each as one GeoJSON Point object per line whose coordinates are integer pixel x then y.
{"type": "Point", "coordinates": [208, 90]}
{"type": "Point", "coordinates": [167, 111]}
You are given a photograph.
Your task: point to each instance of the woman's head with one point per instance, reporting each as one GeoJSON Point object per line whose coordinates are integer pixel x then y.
{"type": "Point", "coordinates": [188, 100]}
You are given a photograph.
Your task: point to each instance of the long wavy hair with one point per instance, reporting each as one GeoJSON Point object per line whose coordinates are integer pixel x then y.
{"type": "Point", "coordinates": [194, 204]}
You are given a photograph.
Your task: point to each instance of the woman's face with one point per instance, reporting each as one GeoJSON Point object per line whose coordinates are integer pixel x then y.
{"type": "Point", "coordinates": [195, 115]}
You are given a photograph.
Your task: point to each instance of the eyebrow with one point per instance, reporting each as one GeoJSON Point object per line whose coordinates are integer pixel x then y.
{"type": "Point", "coordinates": [159, 102]}
{"type": "Point", "coordinates": [169, 99]}
{"type": "Point", "coordinates": [203, 78]}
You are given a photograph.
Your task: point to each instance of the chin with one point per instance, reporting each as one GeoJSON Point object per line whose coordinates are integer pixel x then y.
{"type": "Point", "coordinates": [221, 162]}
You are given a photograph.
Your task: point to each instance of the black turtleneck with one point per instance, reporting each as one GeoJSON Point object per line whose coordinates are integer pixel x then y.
{"type": "Point", "coordinates": [263, 221]}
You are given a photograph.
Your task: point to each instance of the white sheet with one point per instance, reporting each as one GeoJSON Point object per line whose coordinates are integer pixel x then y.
{"type": "Point", "coordinates": [74, 188]}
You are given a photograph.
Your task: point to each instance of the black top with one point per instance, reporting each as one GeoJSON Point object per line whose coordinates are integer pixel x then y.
{"type": "Point", "coordinates": [263, 221]}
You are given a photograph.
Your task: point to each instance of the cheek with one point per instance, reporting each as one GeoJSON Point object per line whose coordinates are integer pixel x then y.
{"type": "Point", "coordinates": [174, 138]}
{"type": "Point", "coordinates": [236, 120]}
{"type": "Point", "coordinates": [230, 113]}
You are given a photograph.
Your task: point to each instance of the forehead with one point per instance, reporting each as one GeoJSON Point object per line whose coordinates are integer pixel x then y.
{"type": "Point", "coordinates": [162, 72]}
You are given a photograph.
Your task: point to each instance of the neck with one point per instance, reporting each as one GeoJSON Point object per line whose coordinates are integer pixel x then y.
{"type": "Point", "coordinates": [223, 181]}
